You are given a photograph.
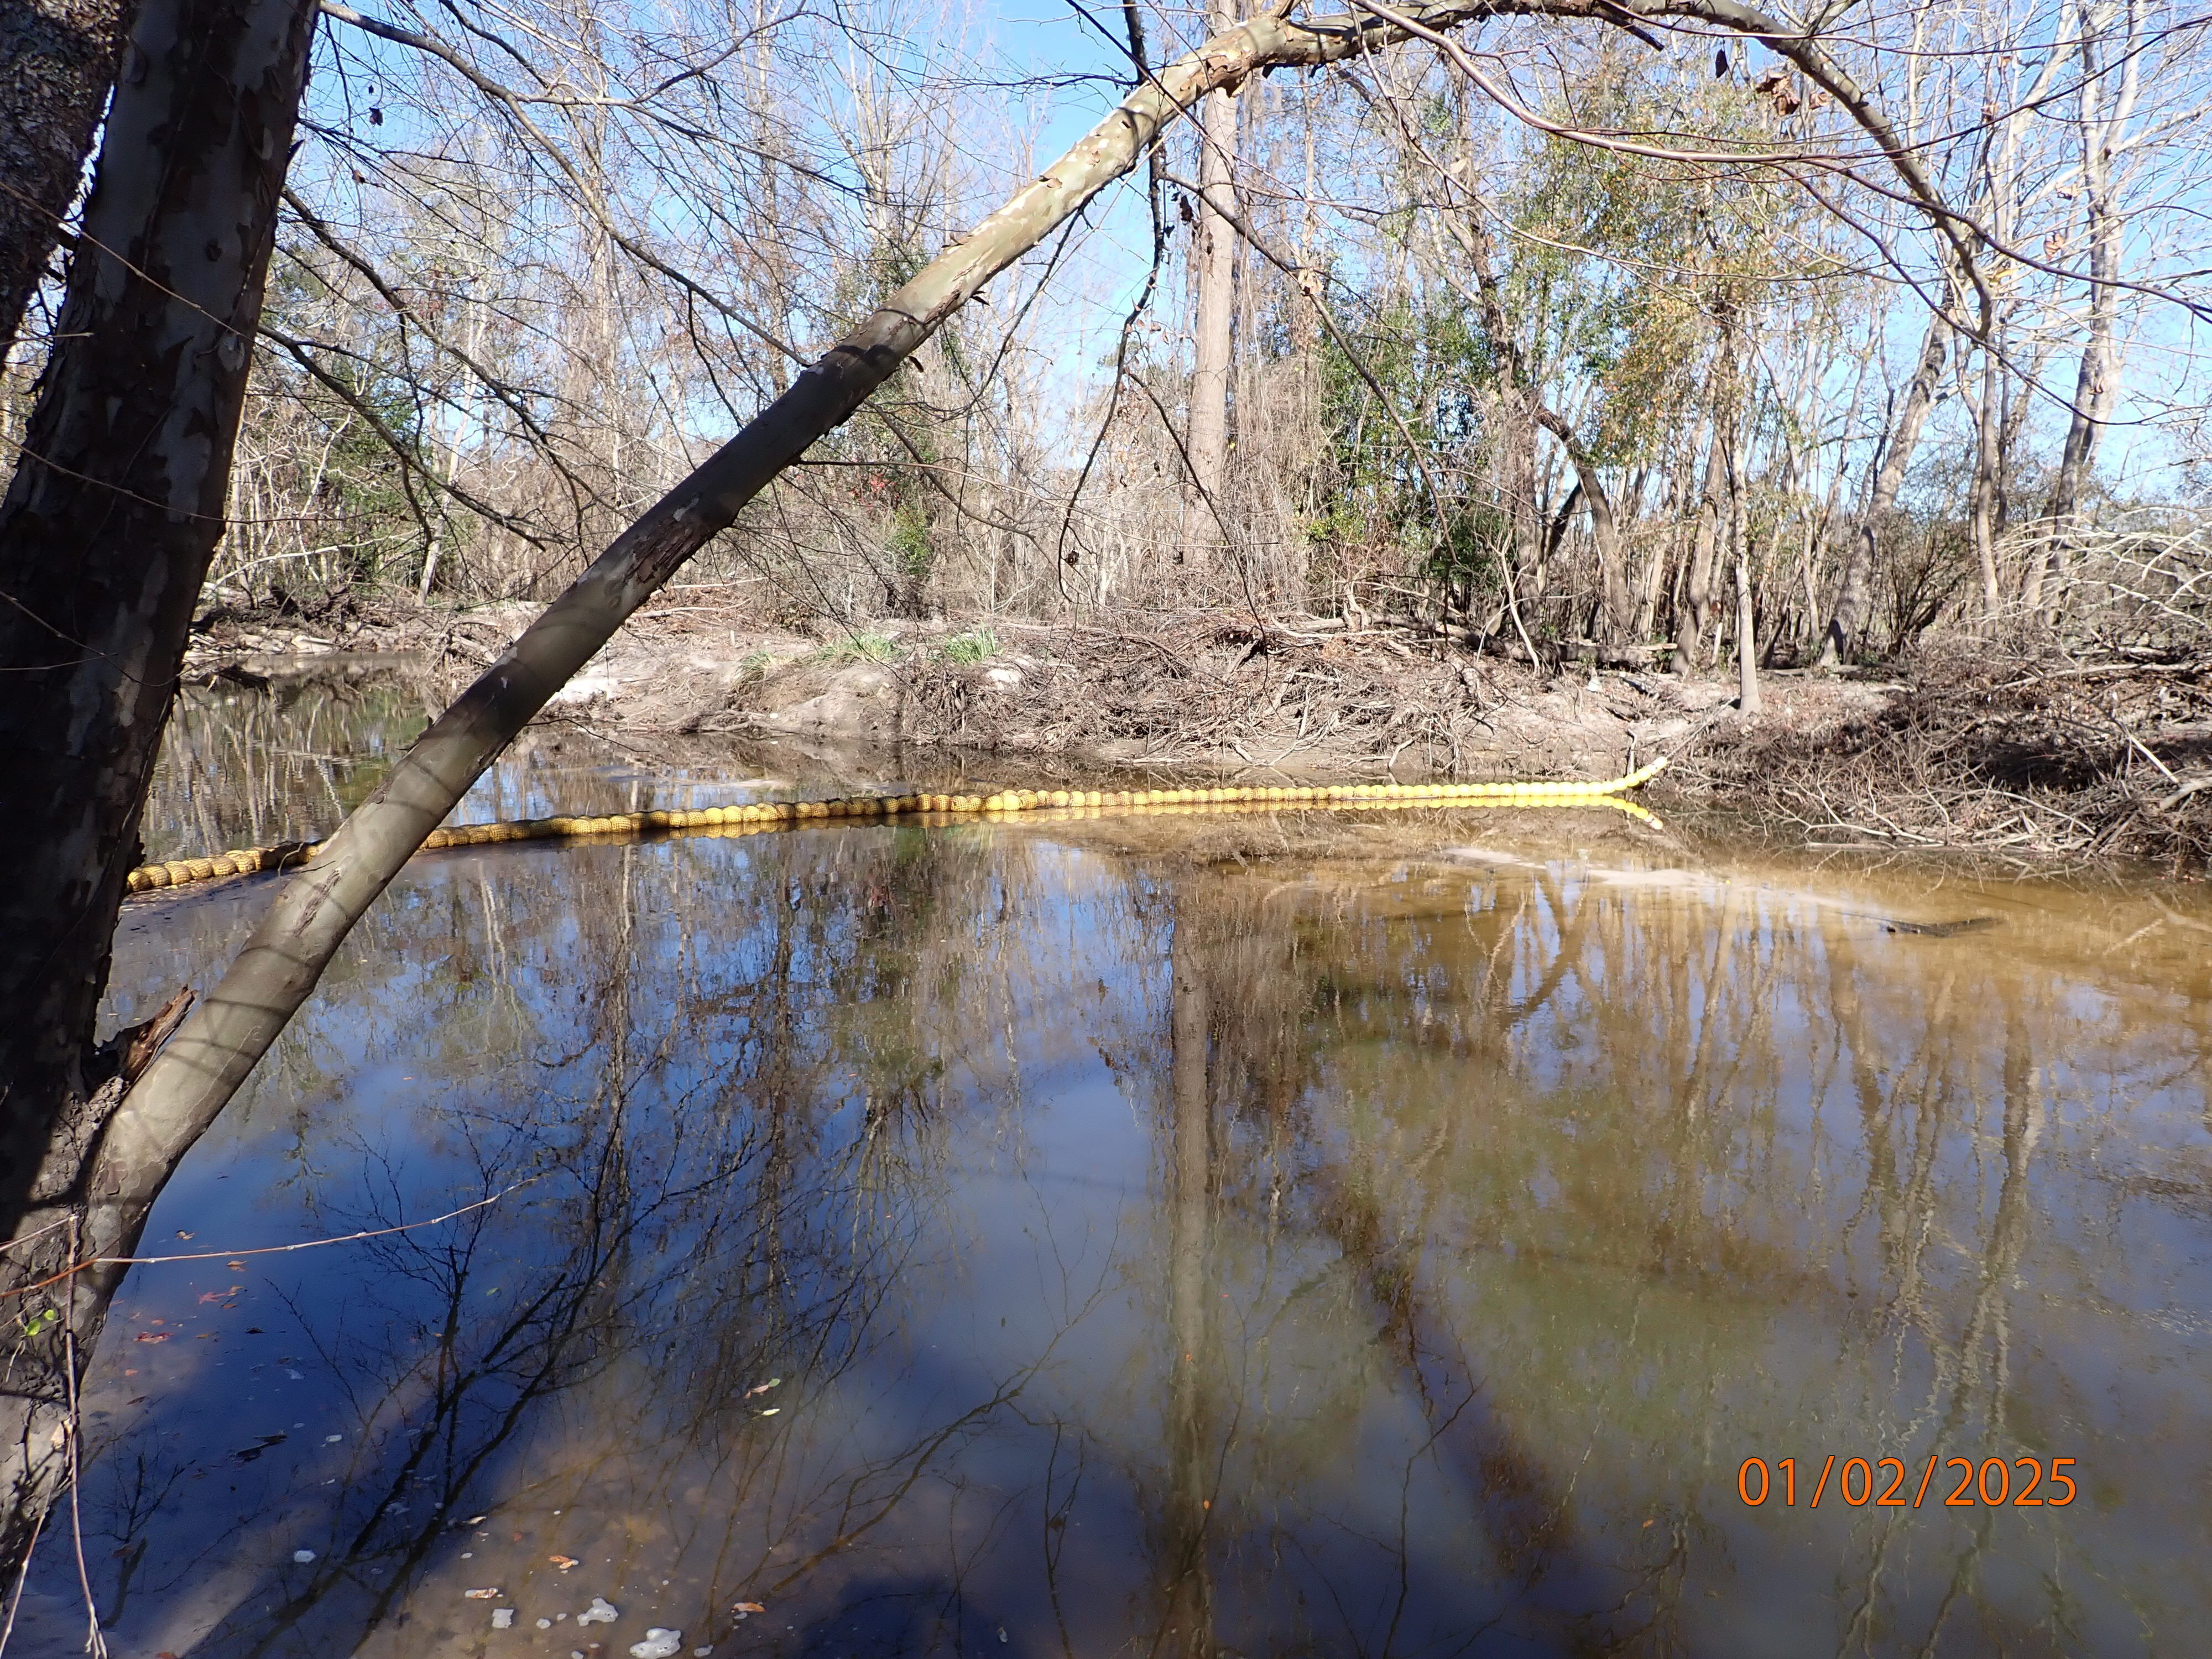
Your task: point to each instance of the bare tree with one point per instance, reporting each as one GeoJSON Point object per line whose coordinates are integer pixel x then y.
{"type": "Point", "coordinates": [1855, 597]}
{"type": "Point", "coordinates": [1214, 312]}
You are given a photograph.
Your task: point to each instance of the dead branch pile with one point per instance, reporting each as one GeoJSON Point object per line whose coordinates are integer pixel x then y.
{"type": "Point", "coordinates": [1297, 691]}
{"type": "Point", "coordinates": [1984, 750]}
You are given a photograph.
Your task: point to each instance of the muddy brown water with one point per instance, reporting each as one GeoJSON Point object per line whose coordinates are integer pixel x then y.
{"type": "Point", "coordinates": [1081, 1240]}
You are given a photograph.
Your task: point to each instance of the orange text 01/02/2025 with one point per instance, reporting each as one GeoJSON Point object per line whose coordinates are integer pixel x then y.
{"type": "Point", "coordinates": [1888, 1483]}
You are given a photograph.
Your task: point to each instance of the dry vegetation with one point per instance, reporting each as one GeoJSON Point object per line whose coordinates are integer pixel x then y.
{"type": "Point", "coordinates": [2000, 751]}
{"type": "Point", "coordinates": [1495, 409]}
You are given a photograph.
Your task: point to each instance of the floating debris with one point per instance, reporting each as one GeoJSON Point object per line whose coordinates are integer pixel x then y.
{"type": "Point", "coordinates": [303, 1556]}
{"type": "Point", "coordinates": [744, 1607]}
{"type": "Point", "coordinates": [502, 1618]}
{"type": "Point", "coordinates": [659, 1643]}
{"type": "Point", "coordinates": [481, 1594]}
{"type": "Point", "coordinates": [598, 1613]}
{"type": "Point", "coordinates": [763, 1388]}
{"type": "Point", "coordinates": [563, 1562]}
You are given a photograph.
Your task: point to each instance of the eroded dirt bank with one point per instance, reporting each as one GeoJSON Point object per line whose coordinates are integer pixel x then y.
{"type": "Point", "coordinates": [2030, 754]}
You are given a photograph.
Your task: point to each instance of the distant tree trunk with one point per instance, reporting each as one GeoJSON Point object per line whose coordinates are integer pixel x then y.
{"type": "Point", "coordinates": [1215, 258]}
{"type": "Point", "coordinates": [1516, 399]}
{"type": "Point", "coordinates": [1982, 505]}
{"type": "Point", "coordinates": [1855, 598]}
{"type": "Point", "coordinates": [106, 535]}
{"type": "Point", "coordinates": [2097, 382]}
{"type": "Point", "coordinates": [1748, 700]}
{"type": "Point", "coordinates": [1659, 570]}
{"type": "Point", "coordinates": [1614, 603]}
{"type": "Point", "coordinates": [56, 66]}
{"type": "Point", "coordinates": [1696, 614]}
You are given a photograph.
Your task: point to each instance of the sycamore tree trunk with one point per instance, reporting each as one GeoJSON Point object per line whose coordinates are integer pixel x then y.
{"type": "Point", "coordinates": [106, 535]}
{"type": "Point", "coordinates": [116, 506]}
{"type": "Point", "coordinates": [1855, 597]}
{"type": "Point", "coordinates": [1982, 497]}
{"type": "Point", "coordinates": [56, 66]}
{"type": "Point", "coordinates": [1214, 260]}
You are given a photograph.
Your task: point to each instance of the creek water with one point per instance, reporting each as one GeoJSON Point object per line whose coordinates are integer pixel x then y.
{"type": "Point", "coordinates": [1249, 1235]}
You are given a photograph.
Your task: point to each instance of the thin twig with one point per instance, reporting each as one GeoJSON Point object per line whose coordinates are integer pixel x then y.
{"type": "Point", "coordinates": [272, 1249]}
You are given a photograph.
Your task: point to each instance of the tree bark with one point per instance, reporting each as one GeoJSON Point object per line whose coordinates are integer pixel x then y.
{"type": "Point", "coordinates": [57, 62]}
{"type": "Point", "coordinates": [106, 534]}
{"type": "Point", "coordinates": [1214, 257]}
{"type": "Point", "coordinates": [116, 506]}
{"type": "Point", "coordinates": [1855, 597]}
{"type": "Point", "coordinates": [1515, 396]}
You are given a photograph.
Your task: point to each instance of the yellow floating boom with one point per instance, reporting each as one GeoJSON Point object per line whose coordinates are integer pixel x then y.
{"type": "Point", "coordinates": [934, 808]}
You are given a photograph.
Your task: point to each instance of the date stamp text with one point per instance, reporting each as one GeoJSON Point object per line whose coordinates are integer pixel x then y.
{"type": "Point", "coordinates": [1888, 1483]}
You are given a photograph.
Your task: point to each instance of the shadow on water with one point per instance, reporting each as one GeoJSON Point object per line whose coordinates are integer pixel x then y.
{"type": "Point", "coordinates": [980, 1239]}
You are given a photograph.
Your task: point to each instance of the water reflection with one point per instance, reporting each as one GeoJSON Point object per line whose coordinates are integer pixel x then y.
{"type": "Point", "coordinates": [988, 1238]}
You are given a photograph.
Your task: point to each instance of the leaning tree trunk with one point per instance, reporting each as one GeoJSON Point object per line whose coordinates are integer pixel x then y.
{"type": "Point", "coordinates": [56, 66]}
{"type": "Point", "coordinates": [279, 965]}
{"type": "Point", "coordinates": [106, 535]}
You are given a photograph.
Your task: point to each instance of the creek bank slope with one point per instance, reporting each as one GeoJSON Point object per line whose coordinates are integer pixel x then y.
{"type": "Point", "coordinates": [2032, 754]}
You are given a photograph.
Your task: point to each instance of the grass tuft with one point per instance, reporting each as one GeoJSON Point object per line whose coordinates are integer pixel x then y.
{"type": "Point", "coordinates": [977, 645]}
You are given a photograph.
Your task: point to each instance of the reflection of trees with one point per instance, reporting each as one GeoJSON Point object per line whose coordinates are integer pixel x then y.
{"type": "Point", "coordinates": [1496, 1220]}
{"type": "Point", "coordinates": [1618, 1110]}
{"type": "Point", "coordinates": [733, 1165]}
{"type": "Point", "coordinates": [246, 768]}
